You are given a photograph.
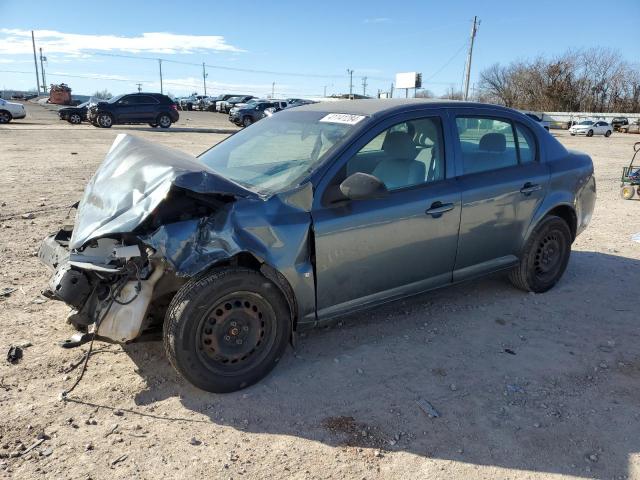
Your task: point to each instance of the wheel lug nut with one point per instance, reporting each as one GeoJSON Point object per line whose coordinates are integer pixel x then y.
{"type": "Point", "coordinates": [233, 324]}
{"type": "Point", "coordinates": [227, 338]}
{"type": "Point", "coordinates": [245, 329]}
{"type": "Point", "coordinates": [239, 341]}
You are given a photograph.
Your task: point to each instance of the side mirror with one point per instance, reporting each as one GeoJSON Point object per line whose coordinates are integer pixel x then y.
{"type": "Point", "coordinates": [359, 186]}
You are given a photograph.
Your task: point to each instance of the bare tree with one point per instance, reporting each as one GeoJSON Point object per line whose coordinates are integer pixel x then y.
{"type": "Point", "coordinates": [103, 94]}
{"type": "Point", "coordinates": [595, 80]}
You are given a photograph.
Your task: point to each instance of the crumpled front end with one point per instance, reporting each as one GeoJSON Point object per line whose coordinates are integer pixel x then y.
{"type": "Point", "coordinates": [150, 219]}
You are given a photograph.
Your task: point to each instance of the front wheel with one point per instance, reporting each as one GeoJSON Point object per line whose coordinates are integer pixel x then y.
{"type": "Point", "coordinates": [590, 133]}
{"type": "Point", "coordinates": [227, 330]}
{"type": "Point", "coordinates": [545, 256]}
{"type": "Point", "coordinates": [104, 120]}
{"type": "Point", "coordinates": [153, 125]}
{"type": "Point", "coordinates": [5, 117]}
{"type": "Point", "coordinates": [75, 118]}
{"type": "Point", "coordinates": [607, 133]}
{"type": "Point", "coordinates": [246, 121]}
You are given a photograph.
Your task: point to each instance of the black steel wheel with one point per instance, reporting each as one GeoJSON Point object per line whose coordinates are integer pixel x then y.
{"type": "Point", "coordinates": [545, 256]}
{"type": "Point", "coordinates": [5, 117]}
{"type": "Point", "coordinates": [226, 330]}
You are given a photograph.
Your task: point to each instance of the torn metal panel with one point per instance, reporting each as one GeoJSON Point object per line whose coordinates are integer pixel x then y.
{"type": "Point", "coordinates": [133, 180]}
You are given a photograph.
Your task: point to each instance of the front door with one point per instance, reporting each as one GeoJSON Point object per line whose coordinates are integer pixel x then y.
{"type": "Point", "coordinates": [503, 182]}
{"type": "Point", "coordinates": [373, 250]}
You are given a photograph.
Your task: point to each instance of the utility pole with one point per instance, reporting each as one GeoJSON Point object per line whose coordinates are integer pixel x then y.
{"type": "Point", "coordinates": [204, 79]}
{"type": "Point", "coordinates": [325, 91]}
{"type": "Point", "coordinates": [273, 90]}
{"type": "Point", "coordinates": [391, 90]}
{"type": "Point", "coordinates": [35, 61]}
{"type": "Point", "coordinates": [139, 87]}
{"type": "Point", "coordinates": [474, 30]}
{"type": "Point", "coordinates": [44, 81]}
{"type": "Point", "coordinates": [160, 65]}
{"type": "Point", "coordinates": [364, 86]}
{"type": "Point", "coordinates": [350, 72]}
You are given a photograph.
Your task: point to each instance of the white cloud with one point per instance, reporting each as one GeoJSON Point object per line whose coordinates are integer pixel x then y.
{"type": "Point", "coordinates": [377, 20]}
{"type": "Point", "coordinates": [15, 41]}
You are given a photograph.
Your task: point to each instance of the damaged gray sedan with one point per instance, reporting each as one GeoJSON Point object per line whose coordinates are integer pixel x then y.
{"type": "Point", "coordinates": [315, 212]}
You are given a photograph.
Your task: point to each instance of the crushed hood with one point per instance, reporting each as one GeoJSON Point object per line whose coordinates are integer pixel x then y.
{"type": "Point", "coordinates": [134, 178]}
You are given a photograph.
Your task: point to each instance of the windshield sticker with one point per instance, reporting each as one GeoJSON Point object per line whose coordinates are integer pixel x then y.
{"type": "Point", "coordinates": [344, 118]}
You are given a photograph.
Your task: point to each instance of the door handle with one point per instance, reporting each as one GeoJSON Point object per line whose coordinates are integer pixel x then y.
{"type": "Point", "coordinates": [438, 208]}
{"type": "Point", "coordinates": [529, 188]}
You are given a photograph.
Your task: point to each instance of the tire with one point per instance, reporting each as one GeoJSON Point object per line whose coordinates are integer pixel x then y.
{"type": "Point", "coordinates": [75, 118]}
{"type": "Point", "coordinates": [590, 133]}
{"type": "Point", "coordinates": [544, 257]}
{"type": "Point", "coordinates": [572, 134]}
{"type": "Point", "coordinates": [153, 125]}
{"type": "Point", "coordinates": [212, 310]}
{"type": "Point", "coordinates": [189, 106]}
{"type": "Point", "coordinates": [246, 121]}
{"type": "Point", "coordinates": [607, 133]}
{"type": "Point", "coordinates": [164, 120]}
{"type": "Point", "coordinates": [5, 117]}
{"type": "Point", "coordinates": [627, 192]}
{"type": "Point", "coordinates": [104, 120]}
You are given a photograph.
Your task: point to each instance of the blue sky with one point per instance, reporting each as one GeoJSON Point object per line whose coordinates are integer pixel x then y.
{"type": "Point", "coordinates": [318, 41]}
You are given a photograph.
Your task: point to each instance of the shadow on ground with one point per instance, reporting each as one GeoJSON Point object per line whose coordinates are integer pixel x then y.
{"type": "Point", "coordinates": [545, 383]}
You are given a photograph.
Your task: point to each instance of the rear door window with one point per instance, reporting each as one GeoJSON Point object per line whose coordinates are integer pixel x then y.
{"type": "Point", "coordinates": [486, 144]}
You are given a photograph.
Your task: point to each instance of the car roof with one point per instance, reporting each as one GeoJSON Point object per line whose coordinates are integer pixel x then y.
{"type": "Point", "coordinates": [373, 107]}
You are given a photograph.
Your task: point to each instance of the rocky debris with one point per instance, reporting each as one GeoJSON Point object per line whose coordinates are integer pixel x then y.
{"type": "Point", "coordinates": [118, 413]}
{"type": "Point", "coordinates": [120, 459]}
{"type": "Point", "coordinates": [195, 442]}
{"type": "Point", "coordinates": [7, 291]}
{"type": "Point", "coordinates": [427, 408]}
{"type": "Point", "coordinates": [28, 216]}
{"type": "Point", "coordinates": [14, 354]}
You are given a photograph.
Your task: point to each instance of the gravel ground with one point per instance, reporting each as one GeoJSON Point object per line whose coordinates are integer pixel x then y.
{"type": "Point", "coordinates": [526, 386]}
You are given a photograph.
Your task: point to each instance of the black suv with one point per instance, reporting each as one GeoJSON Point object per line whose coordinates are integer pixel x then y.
{"type": "Point", "coordinates": [153, 108]}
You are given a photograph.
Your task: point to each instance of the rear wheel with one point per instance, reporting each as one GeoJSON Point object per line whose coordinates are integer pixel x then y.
{"type": "Point", "coordinates": [75, 118]}
{"type": "Point", "coordinates": [5, 117]}
{"type": "Point", "coordinates": [164, 120]}
{"type": "Point", "coordinates": [545, 256]}
{"type": "Point", "coordinates": [607, 133]}
{"type": "Point", "coordinates": [246, 121]}
{"type": "Point", "coordinates": [627, 192]}
{"type": "Point", "coordinates": [226, 330]}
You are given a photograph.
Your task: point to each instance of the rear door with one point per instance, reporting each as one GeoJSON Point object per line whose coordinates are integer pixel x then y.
{"type": "Point", "coordinates": [373, 250]}
{"type": "Point", "coordinates": [503, 182]}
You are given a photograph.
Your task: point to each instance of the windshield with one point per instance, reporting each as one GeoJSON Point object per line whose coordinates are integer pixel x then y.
{"type": "Point", "coordinates": [278, 152]}
{"type": "Point", "coordinates": [586, 122]}
{"type": "Point", "coordinates": [234, 99]}
{"type": "Point", "coordinates": [114, 99]}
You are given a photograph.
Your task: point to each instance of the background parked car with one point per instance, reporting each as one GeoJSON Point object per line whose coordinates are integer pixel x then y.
{"type": "Point", "coordinates": [153, 108]}
{"type": "Point", "coordinates": [618, 122]}
{"type": "Point", "coordinates": [544, 123]}
{"type": "Point", "coordinates": [213, 102]}
{"type": "Point", "coordinates": [10, 111]}
{"type": "Point", "coordinates": [631, 128]}
{"type": "Point", "coordinates": [225, 106]}
{"type": "Point", "coordinates": [75, 115]}
{"type": "Point", "coordinates": [254, 112]}
{"type": "Point", "coordinates": [591, 128]}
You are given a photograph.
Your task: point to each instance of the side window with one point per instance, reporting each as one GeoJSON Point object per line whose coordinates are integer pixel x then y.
{"type": "Point", "coordinates": [486, 144]}
{"type": "Point", "coordinates": [526, 144]}
{"type": "Point", "coordinates": [406, 154]}
{"type": "Point", "coordinates": [125, 101]}
{"type": "Point", "coordinates": [145, 100]}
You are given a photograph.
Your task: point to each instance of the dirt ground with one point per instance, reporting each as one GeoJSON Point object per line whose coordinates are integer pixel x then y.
{"type": "Point", "coordinates": [527, 386]}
